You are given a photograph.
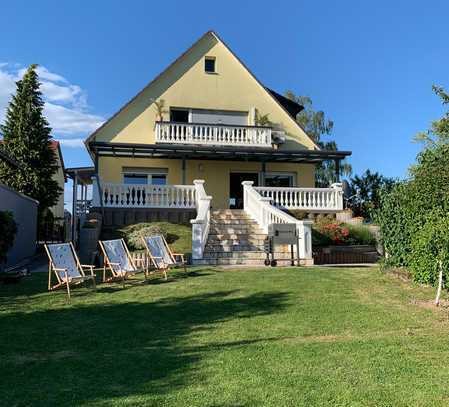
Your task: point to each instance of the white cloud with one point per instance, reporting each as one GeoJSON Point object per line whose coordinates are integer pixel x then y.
{"type": "Point", "coordinates": [66, 106]}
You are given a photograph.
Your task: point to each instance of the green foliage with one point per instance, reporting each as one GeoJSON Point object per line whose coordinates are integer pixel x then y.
{"type": "Point", "coordinates": [179, 237]}
{"type": "Point", "coordinates": [317, 126]}
{"type": "Point", "coordinates": [159, 108]}
{"type": "Point", "coordinates": [439, 129]}
{"type": "Point", "coordinates": [26, 137]}
{"type": "Point", "coordinates": [365, 192]}
{"type": "Point", "coordinates": [262, 119]}
{"type": "Point", "coordinates": [328, 231]}
{"type": "Point", "coordinates": [8, 230]}
{"type": "Point", "coordinates": [409, 215]}
{"type": "Point", "coordinates": [430, 247]}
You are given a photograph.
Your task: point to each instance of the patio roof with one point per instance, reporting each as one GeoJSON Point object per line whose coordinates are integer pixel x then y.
{"type": "Point", "coordinates": [84, 174]}
{"type": "Point", "coordinates": [202, 152]}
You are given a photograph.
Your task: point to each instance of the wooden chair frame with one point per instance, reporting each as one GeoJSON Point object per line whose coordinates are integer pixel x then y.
{"type": "Point", "coordinates": [107, 264]}
{"type": "Point", "coordinates": [166, 267]}
{"type": "Point", "coordinates": [68, 280]}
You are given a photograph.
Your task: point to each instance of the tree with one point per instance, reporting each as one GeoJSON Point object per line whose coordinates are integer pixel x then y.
{"type": "Point", "coordinates": [317, 126]}
{"type": "Point", "coordinates": [365, 192]}
{"type": "Point", "coordinates": [26, 138]}
{"type": "Point", "coordinates": [439, 129]}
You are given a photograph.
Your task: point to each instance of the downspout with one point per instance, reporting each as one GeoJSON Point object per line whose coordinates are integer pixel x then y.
{"type": "Point", "coordinates": [74, 199]}
{"type": "Point", "coordinates": [97, 179]}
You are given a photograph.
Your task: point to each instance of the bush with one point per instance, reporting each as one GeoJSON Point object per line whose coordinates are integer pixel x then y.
{"type": "Point", "coordinates": [328, 231]}
{"type": "Point", "coordinates": [360, 235]}
{"type": "Point", "coordinates": [178, 236]}
{"type": "Point", "coordinates": [404, 210]}
{"type": "Point", "coordinates": [430, 246]}
{"type": "Point", "coordinates": [8, 230]}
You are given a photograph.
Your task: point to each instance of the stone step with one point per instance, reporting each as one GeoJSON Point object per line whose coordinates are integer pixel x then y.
{"type": "Point", "coordinates": [229, 212]}
{"type": "Point", "coordinates": [246, 262]}
{"type": "Point", "coordinates": [232, 242]}
{"type": "Point", "coordinates": [235, 231]}
{"type": "Point", "coordinates": [233, 248]}
{"type": "Point", "coordinates": [252, 255]}
{"type": "Point", "coordinates": [236, 236]}
{"type": "Point", "coordinates": [232, 222]}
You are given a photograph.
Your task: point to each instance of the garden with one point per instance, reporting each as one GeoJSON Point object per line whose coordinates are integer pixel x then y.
{"type": "Point", "coordinates": [273, 337]}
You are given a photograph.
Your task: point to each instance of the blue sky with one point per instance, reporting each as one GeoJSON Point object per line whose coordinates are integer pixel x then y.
{"type": "Point", "coordinates": [369, 65]}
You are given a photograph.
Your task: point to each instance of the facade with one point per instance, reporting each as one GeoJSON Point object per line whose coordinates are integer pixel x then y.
{"type": "Point", "coordinates": [204, 118]}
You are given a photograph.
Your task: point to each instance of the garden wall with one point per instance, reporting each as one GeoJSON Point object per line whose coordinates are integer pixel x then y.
{"type": "Point", "coordinates": [24, 210]}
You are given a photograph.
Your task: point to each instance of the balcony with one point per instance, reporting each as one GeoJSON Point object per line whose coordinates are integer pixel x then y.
{"type": "Point", "coordinates": [213, 134]}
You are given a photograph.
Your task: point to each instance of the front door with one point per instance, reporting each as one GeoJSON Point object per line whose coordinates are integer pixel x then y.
{"type": "Point", "coordinates": [236, 187]}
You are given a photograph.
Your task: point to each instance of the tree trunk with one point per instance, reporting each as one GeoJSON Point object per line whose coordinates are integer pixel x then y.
{"type": "Point", "coordinates": [440, 283]}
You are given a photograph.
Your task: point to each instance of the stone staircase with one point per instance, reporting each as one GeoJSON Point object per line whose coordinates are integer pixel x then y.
{"type": "Point", "coordinates": [235, 239]}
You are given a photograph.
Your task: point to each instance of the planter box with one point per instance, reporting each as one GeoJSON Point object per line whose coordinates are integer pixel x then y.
{"type": "Point", "coordinates": [345, 254]}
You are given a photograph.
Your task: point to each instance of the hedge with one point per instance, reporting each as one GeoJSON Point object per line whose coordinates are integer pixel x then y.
{"type": "Point", "coordinates": [8, 230]}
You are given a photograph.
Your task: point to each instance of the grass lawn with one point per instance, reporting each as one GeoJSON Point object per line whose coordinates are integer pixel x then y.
{"type": "Point", "coordinates": [271, 337]}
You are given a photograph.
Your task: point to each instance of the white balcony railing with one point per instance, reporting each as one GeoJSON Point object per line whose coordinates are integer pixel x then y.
{"type": "Point", "coordinates": [144, 196]}
{"type": "Point", "coordinates": [264, 213]}
{"type": "Point", "coordinates": [307, 199]}
{"type": "Point", "coordinates": [213, 134]}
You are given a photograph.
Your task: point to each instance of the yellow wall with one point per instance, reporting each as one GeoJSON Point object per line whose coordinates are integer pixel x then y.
{"type": "Point", "coordinates": [215, 173]}
{"type": "Point", "coordinates": [186, 84]}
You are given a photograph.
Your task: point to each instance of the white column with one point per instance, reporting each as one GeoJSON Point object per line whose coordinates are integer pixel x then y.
{"type": "Point", "coordinates": [304, 228]}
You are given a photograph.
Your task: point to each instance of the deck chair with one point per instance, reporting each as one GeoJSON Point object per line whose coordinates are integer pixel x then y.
{"type": "Point", "coordinates": [161, 258]}
{"type": "Point", "coordinates": [119, 262]}
{"type": "Point", "coordinates": [65, 265]}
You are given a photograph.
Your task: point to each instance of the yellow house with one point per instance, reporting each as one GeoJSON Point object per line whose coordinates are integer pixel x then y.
{"type": "Point", "coordinates": [196, 141]}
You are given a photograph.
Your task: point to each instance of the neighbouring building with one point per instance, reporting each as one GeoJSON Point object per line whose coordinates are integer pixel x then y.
{"type": "Point", "coordinates": [190, 146]}
{"type": "Point", "coordinates": [60, 178]}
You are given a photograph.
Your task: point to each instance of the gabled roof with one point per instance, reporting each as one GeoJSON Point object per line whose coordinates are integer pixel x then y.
{"type": "Point", "coordinates": [288, 108]}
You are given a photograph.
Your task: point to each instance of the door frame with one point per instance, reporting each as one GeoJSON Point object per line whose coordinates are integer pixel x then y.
{"type": "Point", "coordinates": [254, 172]}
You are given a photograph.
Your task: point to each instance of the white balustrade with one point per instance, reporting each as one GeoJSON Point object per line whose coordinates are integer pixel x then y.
{"type": "Point", "coordinates": [212, 134]}
{"type": "Point", "coordinates": [308, 199]}
{"type": "Point", "coordinates": [200, 225]}
{"type": "Point", "coordinates": [264, 213]}
{"type": "Point", "coordinates": [145, 196]}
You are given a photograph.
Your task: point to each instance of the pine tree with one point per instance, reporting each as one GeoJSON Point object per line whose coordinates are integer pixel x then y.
{"type": "Point", "coordinates": [26, 138]}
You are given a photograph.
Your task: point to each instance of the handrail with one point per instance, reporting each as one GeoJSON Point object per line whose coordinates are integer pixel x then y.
{"type": "Point", "coordinates": [264, 213]}
{"type": "Point", "coordinates": [213, 134]}
{"type": "Point", "coordinates": [308, 199]}
{"type": "Point", "coordinates": [200, 225]}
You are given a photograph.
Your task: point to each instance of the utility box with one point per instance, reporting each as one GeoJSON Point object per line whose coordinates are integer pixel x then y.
{"type": "Point", "coordinates": [283, 233]}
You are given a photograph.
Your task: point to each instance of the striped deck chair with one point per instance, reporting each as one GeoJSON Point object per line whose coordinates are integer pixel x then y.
{"type": "Point", "coordinates": [119, 262]}
{"type": "Point", "coordinates": [161, 258]}
{"type": "Point", "coordinates": [65, 265]}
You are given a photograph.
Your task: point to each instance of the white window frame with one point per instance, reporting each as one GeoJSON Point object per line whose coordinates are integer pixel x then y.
{"type": "Point", "coordinates": [148, 173]}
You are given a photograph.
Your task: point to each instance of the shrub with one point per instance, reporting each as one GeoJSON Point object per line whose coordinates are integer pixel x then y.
{"type": "Point", "coordinates": [8, 230]}
{"type": "Point", "coordinates": [328, 231]}
{"type": "Point", "coordinates": [179, 236]}
{"type": "Point", "coordinates": [430, 248]}
{"type": "Point", "coordinates": [360, 235]}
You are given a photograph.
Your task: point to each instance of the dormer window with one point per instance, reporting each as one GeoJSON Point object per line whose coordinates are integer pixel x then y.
{"type": "Point", "coordinates": [209, 65]}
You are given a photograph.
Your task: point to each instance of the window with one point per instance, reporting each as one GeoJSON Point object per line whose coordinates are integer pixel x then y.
{"type": "Point", "coordinates": [279, 180]}
{"type": "Point", "coordinates": [135, 179]}
{"type": "Point", "coordinates": [158, 179]}
{"type": "Point", "coordinates": [179, 115]}
{"type": "Point", "coordinates": [144, 176]}
{"type": "Point", "coordinates": [209, 64]}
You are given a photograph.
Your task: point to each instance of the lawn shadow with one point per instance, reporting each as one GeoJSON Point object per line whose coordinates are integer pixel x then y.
{"type": "Point", "coordinates": [112, 351]}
